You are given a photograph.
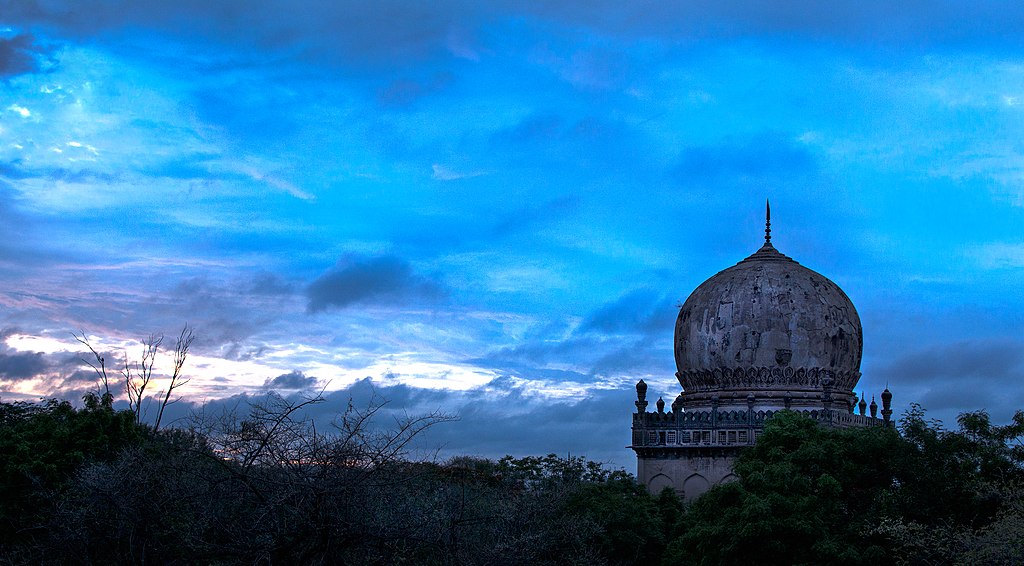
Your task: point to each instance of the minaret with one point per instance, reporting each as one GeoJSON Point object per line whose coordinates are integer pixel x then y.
{"type": "Point", "coordinates": [887, 406]}
{"type": "Point", "coordinates": [641, 397]}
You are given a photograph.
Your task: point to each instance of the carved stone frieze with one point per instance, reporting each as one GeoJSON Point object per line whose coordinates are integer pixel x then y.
{"type": "Point", "coordinates": [765, 378]}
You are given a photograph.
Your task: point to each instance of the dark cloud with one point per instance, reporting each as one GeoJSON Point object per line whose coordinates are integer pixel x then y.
{"type": "Point", "coordinates": [503, 418]}
{"type": "Point", "coordinates": [767, 156]}
{"type": "Point", "coordinates": [266, 283]}
{"type": "Point", "coordinates": [386, 31]}
{"type": "Point", "coordinates": [402, 92]}
{"type": "Point", "coordinates": [592, 355]}
{"type": "Point", "coordinates": [371, 280]}
{"type": "Point", "coordinates": [22, 365]}
{"type": "Point", "coordinates": [510, 419]}
{"type": "Point", "coordinates": [593, 144]}
{"type": "Point", "coordinates": [221, 312]}
{"type": "Point", "coordinates": [293, 380]}
{"type": "Point", "coordinates": [641, 311]}
{"type": "Point", "coordinates": [542, 351]}
{"type": "Point", "coordinates": [950, 378]}
{"type": "Point", "coordinates": [398, 33]}
{"type": "Point", "coordinates": [873, 21]}
{"type": "Point", "coordinates": [17, 365]}
{"type": "Point", "coordinates": [15, 170]}
{"type": "Point", "coordinates": [82, 376]}
{"type": "Point", "coordinates": [195, 167]}
{"type": "Point", "coordinates": [1000, 361]}
{"type": "Point", "coordinates": [649, 355]}
{"type": "Point", "coordinates": [631, 334]}
{"type": "Point", "coordinates": [21, 54]}
{"type": "Point", "coordinates": [533, 216]}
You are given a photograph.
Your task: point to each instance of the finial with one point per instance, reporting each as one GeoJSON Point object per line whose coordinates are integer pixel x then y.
{"type": "Point", "coordinates": [767, 222]}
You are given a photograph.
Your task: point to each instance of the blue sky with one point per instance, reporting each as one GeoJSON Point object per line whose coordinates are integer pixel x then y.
{"type": "Point", "coordinates": [495, 208]}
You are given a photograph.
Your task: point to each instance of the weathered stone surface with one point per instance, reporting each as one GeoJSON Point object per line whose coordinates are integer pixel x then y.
{"type": "Point", "coordinates": [768, 311]}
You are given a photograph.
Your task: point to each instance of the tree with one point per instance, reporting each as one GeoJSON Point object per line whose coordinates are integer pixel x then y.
{"type": "Point", "coordinates": [802, 498]}
{"type": "Point", "coordinates": [807, 494]}
{"type": "Point", "coordinates": [137, 374]}
{"type": "Point", "coordinates": [42, 446]}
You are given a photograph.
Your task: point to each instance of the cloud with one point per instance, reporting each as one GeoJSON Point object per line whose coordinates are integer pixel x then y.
{"type": "Point", "coordinates": [19, 365]}
{"type": "Point", "coordinates": [266, 283]}
{"type": "Point", "coordinates": [505, 418]}
{"type": "Point", "coordinates": [22, 365]}
{"type": "Point", "coordinates": [274, 181]}
{"type": "Point", "coordinates": [380, 280]}
{"type": "Point", "coordinates": [641, 311]}
{"type": "Point", "coordinates": [293, 380]}
{"type": "Point", "coordinates": [999, 255]}
{"type": "Point", "coordinates": [443, 173]}
{"type": "Point", "coordinates": [995, 360]}
{"type": "Point", "coordinates": [767, 156]}
{"type": "Point", "coordinates": [396, 33]}
{"type": "Point", "coordinates": [20, 110]}
{"type": "Point", "coordinates": [402, 92]}
{"type": "Point", "coordinates": [20, 54]}
{"type": "Point", "coordinates": [16, 170]}
{"type": "Point", "coordinates": [535, 215]}
{"type": "Point", "coordinates": [956, 376]}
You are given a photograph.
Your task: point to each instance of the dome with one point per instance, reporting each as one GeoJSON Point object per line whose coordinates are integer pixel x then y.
{"type": "Point", "coordinates": [771, 327]}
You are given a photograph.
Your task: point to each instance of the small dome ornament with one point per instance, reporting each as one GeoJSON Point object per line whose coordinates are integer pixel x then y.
{"type": "Point", "coordinates": [677, 403]}
{"type": "Point", "coordinates": [863, 405]}
{"type": "Point", "coordinates": [874, 408]}
{"type": "Point", "coordinates": [661, 405]}
{"type": "Point", "coordinates": [641, 397]}
{"type": "Point", "coordinates": [887, 405]}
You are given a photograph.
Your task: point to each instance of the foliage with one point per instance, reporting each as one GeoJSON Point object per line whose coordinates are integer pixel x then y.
{"type": "Point", "coordinates": [803, 497]}
{"type": "Point", "coordinates": [263, 484]}
{"type": "Point", "coordinates": [813, 495]}
{"type": "Point", "coordinates": [42, 445]}
{"type": "Point", "coordinates": [266, 485]}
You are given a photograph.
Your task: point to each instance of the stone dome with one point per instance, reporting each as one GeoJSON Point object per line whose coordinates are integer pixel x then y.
{"type": "Point", "coordinates": [768, 327]}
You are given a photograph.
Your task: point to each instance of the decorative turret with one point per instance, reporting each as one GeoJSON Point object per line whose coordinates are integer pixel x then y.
{"type": "Point", "coordinates": [874, 408]}
{"type": "Point", "coordinates": [678, 403]}
{"type": "Point", "coordinates": [863, 405]}
{"type": "Point", "coordinates": [661, 405]}
{"type": "Point", "coordinates": [887, 406]}
{"type": "Point", "coordinates": [641, 397]}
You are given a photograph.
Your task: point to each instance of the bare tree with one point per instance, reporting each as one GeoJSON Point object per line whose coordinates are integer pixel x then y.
{"type": "Point", "coordinates": [137, 374]}
{"type": "Point", "coordinates": [99, 367]}
{"type": "Point", "coordinates": [181, 348]}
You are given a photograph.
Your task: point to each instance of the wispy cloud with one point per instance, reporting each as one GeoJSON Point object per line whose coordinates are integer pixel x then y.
{"type": "Point", "coordinates": [20, 110]}
{"type": "Point", "coordinates": [999, 255]}
{"type": "Point", "coordinates": [443, 173]}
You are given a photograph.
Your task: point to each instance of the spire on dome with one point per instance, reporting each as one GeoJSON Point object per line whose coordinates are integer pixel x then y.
{"type": "Point", "coordinates": [767, 251]}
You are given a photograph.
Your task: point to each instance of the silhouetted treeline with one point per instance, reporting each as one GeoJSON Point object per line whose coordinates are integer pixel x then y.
{"type": "Point", "coordinates": [91, 485]}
